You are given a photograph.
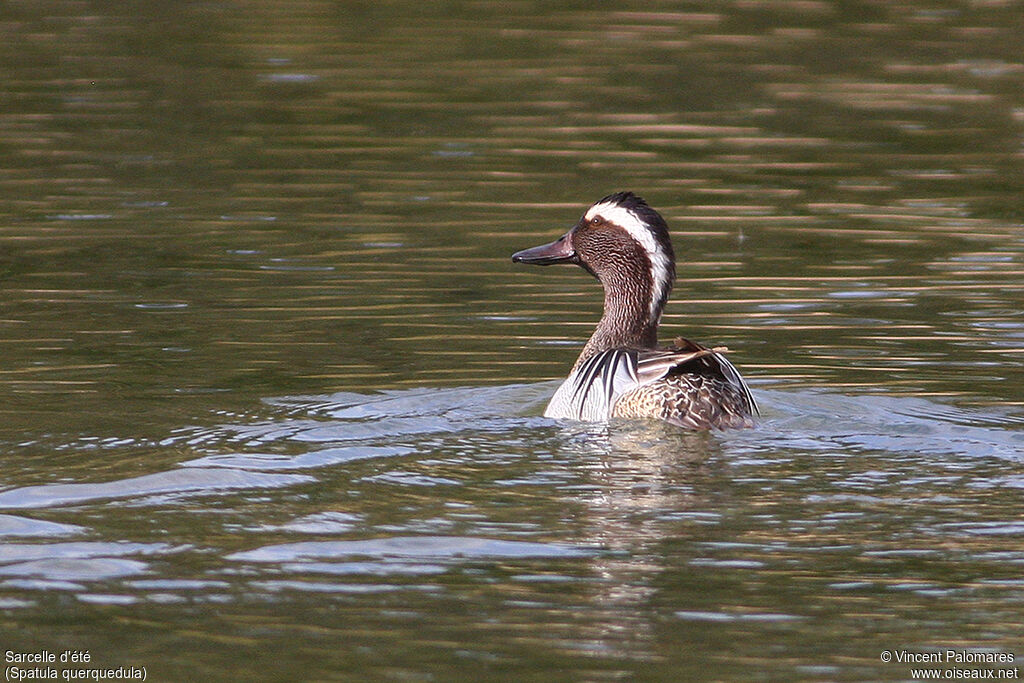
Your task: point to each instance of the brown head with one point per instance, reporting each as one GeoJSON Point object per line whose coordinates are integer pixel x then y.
{"type": "Point", "coordinates": [625, 244]}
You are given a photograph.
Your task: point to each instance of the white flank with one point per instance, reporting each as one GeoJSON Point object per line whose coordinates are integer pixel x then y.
{"type": "Point", "coordinates": [661, 267]}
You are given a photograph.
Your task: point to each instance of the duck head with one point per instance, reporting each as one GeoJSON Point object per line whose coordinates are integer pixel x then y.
{"type": "Point", "coordinates": [625, 244]}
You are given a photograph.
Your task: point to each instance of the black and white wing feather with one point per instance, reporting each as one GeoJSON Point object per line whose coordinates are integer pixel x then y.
{"type": "Point", "coordinates": [590, 392]}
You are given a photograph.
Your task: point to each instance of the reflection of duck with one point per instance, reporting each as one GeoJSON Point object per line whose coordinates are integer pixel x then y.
{"type": "Point", "coordinates": [625, 244]}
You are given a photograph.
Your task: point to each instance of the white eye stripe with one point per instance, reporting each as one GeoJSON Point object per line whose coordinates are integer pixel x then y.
{"type": "Point", "coordinates": [661, 265]}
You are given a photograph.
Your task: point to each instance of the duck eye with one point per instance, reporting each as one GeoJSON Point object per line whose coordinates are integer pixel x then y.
{"type": "Point", "coordinates": [595, 220]}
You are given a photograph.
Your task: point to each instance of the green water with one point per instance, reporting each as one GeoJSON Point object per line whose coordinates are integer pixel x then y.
{"type": "Point", "coordinates": [270, 385]}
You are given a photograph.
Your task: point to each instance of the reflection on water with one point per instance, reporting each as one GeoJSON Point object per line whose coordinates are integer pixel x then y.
{"type": "Point", "coordinates": [207, 208]}
{"type": "Point", "coordinates": [648, 535]}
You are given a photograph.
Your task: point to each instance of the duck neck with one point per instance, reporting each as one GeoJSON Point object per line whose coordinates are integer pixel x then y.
{"type": "Point", "coordinates": [630, 320]}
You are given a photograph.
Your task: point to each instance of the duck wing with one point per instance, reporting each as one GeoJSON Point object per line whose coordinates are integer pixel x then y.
{"type": "Point", "coordinates": [594, 388]}
{"type": "Point", "coordinates": [690, 358]}
{"type": "Point", "coordinates": [691, 386]}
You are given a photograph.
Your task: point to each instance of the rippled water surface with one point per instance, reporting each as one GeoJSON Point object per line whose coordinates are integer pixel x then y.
{"type": "Point", "coordinates": [270, 387]}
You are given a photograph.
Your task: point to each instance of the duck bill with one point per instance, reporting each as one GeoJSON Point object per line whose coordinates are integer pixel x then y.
{"type": "Point", "coordinates": [559, 251]}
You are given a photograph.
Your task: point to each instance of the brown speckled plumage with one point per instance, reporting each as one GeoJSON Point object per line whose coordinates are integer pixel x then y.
{"type": "Point", "coordinates": [689, 400]}
{"type": "Point", "coordinates": [621, 371]}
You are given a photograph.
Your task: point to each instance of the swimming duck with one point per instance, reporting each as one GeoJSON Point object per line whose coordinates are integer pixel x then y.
{"type": "Point", "coordinates": [621, 372]}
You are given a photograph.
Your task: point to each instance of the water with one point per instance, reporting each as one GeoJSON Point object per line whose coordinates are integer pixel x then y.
{"type": "Point", "coordinates": [271, 389]}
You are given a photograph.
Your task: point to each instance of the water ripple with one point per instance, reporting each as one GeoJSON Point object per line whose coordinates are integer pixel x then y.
{"type": "Point", "coordinates": [405, 548]}
{"type": "Point", "coordinates": [194, 481]}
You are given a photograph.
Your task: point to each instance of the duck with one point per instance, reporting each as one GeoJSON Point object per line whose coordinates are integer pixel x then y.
{"type": "Point", "coordinates": [621, 371]}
